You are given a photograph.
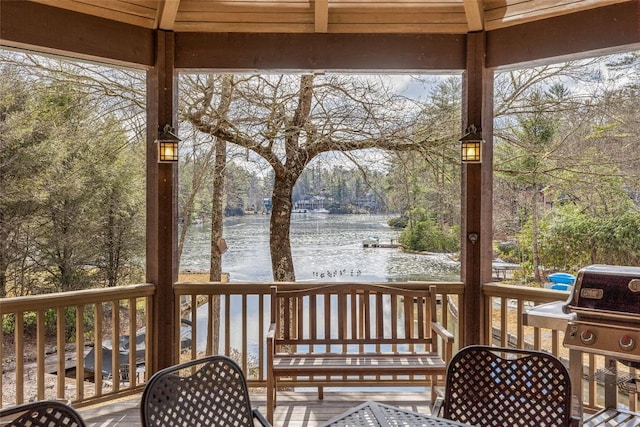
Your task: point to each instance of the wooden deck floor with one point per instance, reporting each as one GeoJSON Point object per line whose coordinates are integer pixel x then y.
{"type": "Point", "coordinates": [295, 409]}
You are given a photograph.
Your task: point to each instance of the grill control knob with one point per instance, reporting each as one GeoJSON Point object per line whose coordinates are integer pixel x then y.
{"type": "Point", "coordinates": [587, 337]}
{"type": "Point", "coordinates": [626, 343]}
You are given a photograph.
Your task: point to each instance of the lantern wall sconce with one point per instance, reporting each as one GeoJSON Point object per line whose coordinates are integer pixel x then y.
{"type": "Point", "coordinates": [167, 145]}
{"type": "Point", "coordinates": [472, 145]}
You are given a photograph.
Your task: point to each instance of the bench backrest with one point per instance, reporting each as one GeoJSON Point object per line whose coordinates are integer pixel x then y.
{"type": "Point", "coordinates": [354, 318]}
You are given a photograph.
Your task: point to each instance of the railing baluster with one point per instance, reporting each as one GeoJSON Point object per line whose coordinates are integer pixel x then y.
{"type": "Point", "coordinates": [227, 324]}
{"type": "Point", "coordinates": [79, 352]}
{"type": "Point", "coordinates": [60, 342]}
{"type": "Point", "coordinates": [504, 336]}
{"type": "Point", "coordinates": [151, 330]}
{"type": "Point", "coordinates": [133, 347]}
{"type": "Point", "coordinates": [554, 342]}
{"type": "Point", "coordinates": [520, 326]}
{"type": "Point", "coordinates": [444, 305]}
{"type": "Point", "coordinates": [115, 344]}
{"type": "Point", "coordinates": [537, 339]}
{"type": "Point", "coordinates": [261, 338]}
{"type": "Point", "coordinates": [592, 384]}
{"type": "Point", "coordinates": [194, 327]}
{"type": "Point", "coordinates": [244, 333]}
{"type": "Point", "coordinates": [633, 397]}
{"type": "Point", "coordinates": [40, 353]}
{"type": "Point", "coordinates": [97, 347]}
{"type": "Point", "coordinates": [19, 345]}
{"type": "Point", "coordinates": [211, 324]}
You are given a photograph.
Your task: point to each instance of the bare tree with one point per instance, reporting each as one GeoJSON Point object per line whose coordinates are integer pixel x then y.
{"type": "Point", "coordinates": [290, 120]}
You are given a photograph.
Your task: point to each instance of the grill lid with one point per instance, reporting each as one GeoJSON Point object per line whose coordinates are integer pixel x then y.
{"type": "Point", "coordinates": [608, 290]}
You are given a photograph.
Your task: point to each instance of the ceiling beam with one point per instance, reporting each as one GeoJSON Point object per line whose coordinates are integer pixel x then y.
{"type": "Point", "coordinates": [474, 11]}
{"type": "Point", "coordinates": [321, 16]}
{"type": "Point", "coordinates": [38, 27]}
{"type": "Point", "coordinates": [605, 30]}
{"type": "Point", "coordinates": [311, 52]}
{"type": "Point", "coordinates": [167, 11]}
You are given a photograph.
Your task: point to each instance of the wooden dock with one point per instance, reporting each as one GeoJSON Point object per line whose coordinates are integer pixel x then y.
{"type": "Point", "coordinates": [372, 243]}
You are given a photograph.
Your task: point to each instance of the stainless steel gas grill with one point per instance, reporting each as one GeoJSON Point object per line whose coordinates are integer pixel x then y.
{"type": "Point", "coordinates": [606, 306]}
{"type": "Point", "coordinates": [606, 301]}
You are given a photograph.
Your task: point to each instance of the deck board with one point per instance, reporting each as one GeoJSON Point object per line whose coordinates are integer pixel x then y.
{"type": "Point", "coordinates": [295, 409]}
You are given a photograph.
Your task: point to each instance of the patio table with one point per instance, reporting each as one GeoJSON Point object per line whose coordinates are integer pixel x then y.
{"type": "Point", "coordinates": [375, 414]}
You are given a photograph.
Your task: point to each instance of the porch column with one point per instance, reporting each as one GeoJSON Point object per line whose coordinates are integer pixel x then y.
{"type": "Point", "coordinates": [477, 189]}
{"type": "Point", "coordinates": [162, 210]}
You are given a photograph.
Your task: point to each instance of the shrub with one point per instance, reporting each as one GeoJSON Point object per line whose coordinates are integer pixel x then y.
{"type": "Point", "coordinates": [508, 252]}
{"type": "Point", "coordinates": [398, 222]}
{"type": "Point", "coordinates": [426, 235]}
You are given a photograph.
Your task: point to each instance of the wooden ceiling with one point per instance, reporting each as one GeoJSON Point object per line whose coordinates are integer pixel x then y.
{"type": "Point", "coordinates": [327, 16]}
{"type": "Point", "coordinates": [342, 35]}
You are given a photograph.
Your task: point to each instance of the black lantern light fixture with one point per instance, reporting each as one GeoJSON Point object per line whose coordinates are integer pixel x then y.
{"type": "Point", "coordinates": [472, 145]}
{"type": "Point", "coordinates": [167, 145]}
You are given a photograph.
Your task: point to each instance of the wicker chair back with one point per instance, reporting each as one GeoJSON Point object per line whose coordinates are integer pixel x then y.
{"type": "Point", "coordinates": [211, 391]}
{"type": "Point", "coordinates": [489, 386]}
{"type": "Point", "coordinates": [44, 413]}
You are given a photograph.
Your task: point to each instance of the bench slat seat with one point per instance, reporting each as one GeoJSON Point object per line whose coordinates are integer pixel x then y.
{"type": "Point", "coordinates": [355, 334]}
{"type": "Point", "coordinates": [331, 363]}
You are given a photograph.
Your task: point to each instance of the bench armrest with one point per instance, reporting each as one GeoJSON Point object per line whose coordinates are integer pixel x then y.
{"type": "Point", "coordinates": [442, 332]}
{"type": "Point", "coordinates": [447, 340]}
{"type": "Point", "coordinates": [271, 332]}
{"type": "Point", "coordinates": [271, 337]}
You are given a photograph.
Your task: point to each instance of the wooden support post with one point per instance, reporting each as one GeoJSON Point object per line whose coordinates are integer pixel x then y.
{"type": "Point", "coordinates": [162, 212]}
{"type": "Point", "coordinates": [477, 192]}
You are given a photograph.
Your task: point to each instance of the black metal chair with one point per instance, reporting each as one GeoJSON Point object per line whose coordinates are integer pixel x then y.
{"type": "Point", "coordinates": [491, 386]}
{"type": "Point", "coordinates": [44, 413]}
{"type": "Point", "coordinates": [211, 391]}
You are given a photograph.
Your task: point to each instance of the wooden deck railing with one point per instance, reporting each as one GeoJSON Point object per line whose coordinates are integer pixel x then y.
{"type": "Point", "coordinates": [504, 308]}
{"type": "Point", "coordinates": [45, 336]}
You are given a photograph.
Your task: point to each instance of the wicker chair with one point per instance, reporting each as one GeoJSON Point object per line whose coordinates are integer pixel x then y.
{"type": "Point", "coordinates": [45, 413]}
{"type": "Point", "coordinates": [490, 386]}
{"type": "Point", "coordinates": [211, 391]}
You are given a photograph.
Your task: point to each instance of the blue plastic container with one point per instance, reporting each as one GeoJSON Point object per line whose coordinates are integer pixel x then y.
{"type": "Point", "coordinates": [563, 278]}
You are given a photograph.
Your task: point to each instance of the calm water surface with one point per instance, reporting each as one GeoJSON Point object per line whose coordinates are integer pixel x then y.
{"type": "Point", "coordinates": [325, 248]}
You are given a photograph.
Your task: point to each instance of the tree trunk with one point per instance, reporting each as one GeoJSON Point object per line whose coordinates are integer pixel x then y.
{"type": "Point", "coordinates": [534, 236]}
{"type": "Point", "coordinates": [217, 206]}
{"type": "Point", "coordinates": [280, 242]}
{"type": "Point", "coordinates": [215, 266]}
{"type": "Point", "coordinates": [217, 211]}
{"type": "Point", "coordinates": [187, 210]}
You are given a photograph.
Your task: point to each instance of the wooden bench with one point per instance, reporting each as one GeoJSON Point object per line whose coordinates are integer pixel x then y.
{"type": "Point", "coordinates": [354, 334]}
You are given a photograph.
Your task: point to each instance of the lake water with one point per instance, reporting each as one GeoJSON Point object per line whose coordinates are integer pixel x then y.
{"type": "Point", "coordinates": [325, 248]}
